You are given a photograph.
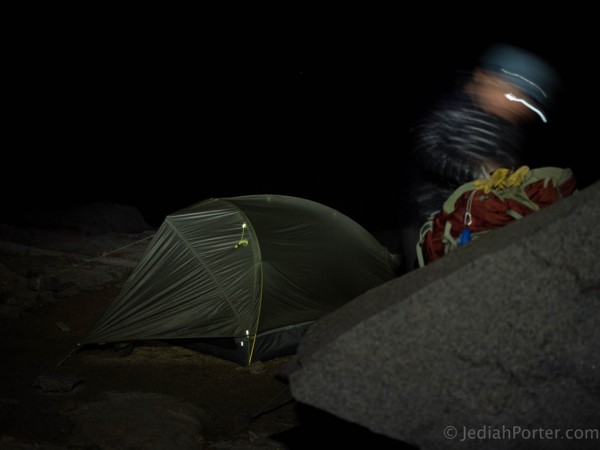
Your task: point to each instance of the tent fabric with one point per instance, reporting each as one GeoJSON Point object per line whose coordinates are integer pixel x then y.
{"type": "Point", "coordinates": [243, 268]}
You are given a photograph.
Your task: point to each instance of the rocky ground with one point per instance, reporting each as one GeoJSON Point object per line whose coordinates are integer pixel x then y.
{"type": "Point", "coordinates": [54, 285]}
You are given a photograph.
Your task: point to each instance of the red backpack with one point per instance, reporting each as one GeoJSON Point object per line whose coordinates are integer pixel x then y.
{"type": "Point", "coordinates": [480, 206]}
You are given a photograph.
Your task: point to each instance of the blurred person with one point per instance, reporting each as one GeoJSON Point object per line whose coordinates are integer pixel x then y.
{"type": "Point", "coordinates": [478, 128]}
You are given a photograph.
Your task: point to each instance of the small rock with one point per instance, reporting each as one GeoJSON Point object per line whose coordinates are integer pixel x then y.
{"type": "Point", "coordinates": [11, 301]}
{"type": "Point", "coordinates": [62, 326]}
{"type": "Point", "coordinates": [45, 298]}
{"type": "Point", "coordinates": [43, 283]}
{"type": "Point", "coordinates": [57, 382]}
{"type": "Point", "coordinates": [257, 367]}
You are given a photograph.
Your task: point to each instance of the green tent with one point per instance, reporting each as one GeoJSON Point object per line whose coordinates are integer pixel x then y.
{"type": "Point", "coordinates": [244, 277]}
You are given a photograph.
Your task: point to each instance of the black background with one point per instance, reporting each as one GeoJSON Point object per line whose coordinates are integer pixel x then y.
{"type": "Point", "coordinates": [161, 109]}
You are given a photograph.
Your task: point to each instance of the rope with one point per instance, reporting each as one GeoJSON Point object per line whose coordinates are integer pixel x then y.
{"type": "Point", "coordinates": [264, 410]}
{"type": "Point", "coordinates": [67, 357]}
{"type": "Point", "coordinates": [258, 316]}
{"type": "Point", "coordinates": [103, 255]}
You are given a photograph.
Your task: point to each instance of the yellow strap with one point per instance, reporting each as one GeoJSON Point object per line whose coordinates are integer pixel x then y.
{"type": "Point", "coordinates": [502, 178]}
{"type": "Point", "coordinates": [517, 178]}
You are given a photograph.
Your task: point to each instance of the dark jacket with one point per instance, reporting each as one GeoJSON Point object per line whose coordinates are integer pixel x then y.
{"type": "Point", "coordinates": [451, 147]}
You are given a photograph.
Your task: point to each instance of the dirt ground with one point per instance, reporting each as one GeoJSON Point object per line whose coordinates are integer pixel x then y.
{"type": "Point", "coordinates": [236, 407]}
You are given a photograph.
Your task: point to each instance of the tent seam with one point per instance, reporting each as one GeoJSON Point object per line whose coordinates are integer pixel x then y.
{"type": "Point", "coordinates": [260, 293]}
{"type": "Point", "coordinates": [210, 272]}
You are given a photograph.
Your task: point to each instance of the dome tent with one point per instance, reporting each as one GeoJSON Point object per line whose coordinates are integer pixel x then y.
{"type": "Point", "coordinates": [252, 272]}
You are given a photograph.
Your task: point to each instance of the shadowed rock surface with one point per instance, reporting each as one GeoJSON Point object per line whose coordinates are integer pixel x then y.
{"type": "Point", "coordinates": [93, 218]}
{"type": "Point", "coordinates": [501, 333]}
{"type": "Point", "coordinates": [135, 420]}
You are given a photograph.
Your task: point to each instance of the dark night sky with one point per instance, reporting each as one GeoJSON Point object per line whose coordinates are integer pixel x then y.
{"type": "Point", "coordinates": [163, 110]}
